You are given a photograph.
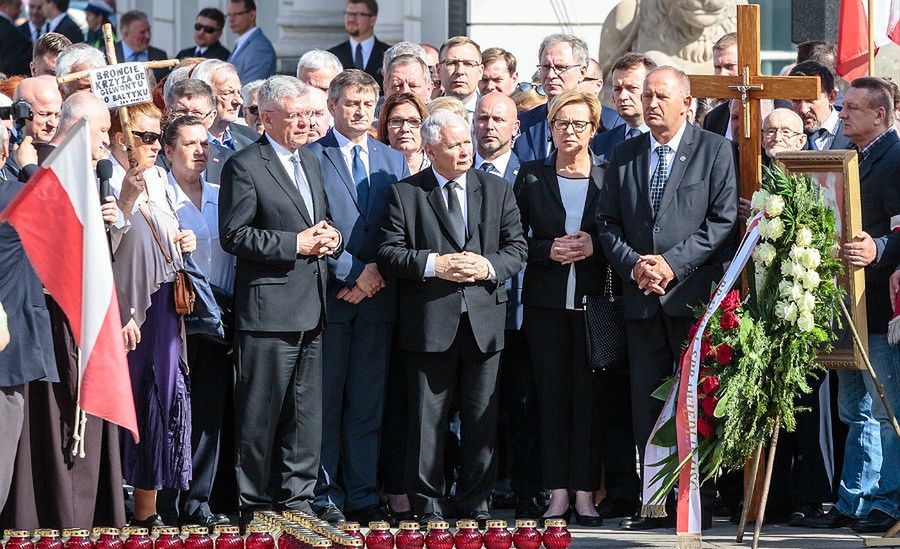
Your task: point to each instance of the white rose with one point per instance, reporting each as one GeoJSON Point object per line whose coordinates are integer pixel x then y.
{"type": "Point", "coordinates": [776, 228]}
{"type": "Point", "coordinates": [789, 312]}
{"type": "Point", "coordinates": [811, 258]}
{"type": "Point", "coordinates": [797, 252]}
{"type": "Point", "coordinates": [796, 292]}
{"type": "Point", "coordinates": [810, 280]}
{"type": "Point", "coordinates": [759, 199]}
{"type": "Point", "coordinates": [806, 302]}
{"type": "Point", "coordinates": [766, 253]}
{"type": "Point", "coordinates": [804, 237]}
{"type": "Point", "coordinates": [805, 322]}
{"type": "Point", "coordinates": [774, 205]}
{"type": "Point", "coordinates": [764, 229]}
{"type": "Point", "coordinates": [784, 288]}
{"type": "Point", "coordinates": [792, 269]}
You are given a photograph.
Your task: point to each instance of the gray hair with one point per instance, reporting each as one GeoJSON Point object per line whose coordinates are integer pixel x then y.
{"type": "Point", "coordinates": [434, 124]}
{"type": "Point", "coordinates": [403, 48]}
{"type": "Point", "coordinates": [74, 108]}
{"type": "Point", "coordinates": [407, 59]}
{"type": "Point", "coordinates": [209, 69]}
{"type": "Point", "coordinates": [78, 54]}
{"type": "Point", "coordinates": [680, 76]}
{"type": "Point", "coordinates": [189, 87]}
{"type": "Point", "coordinates": [351, 78]}
{"type": "Point", "coordinates": [579, 47]}
{"type": "Point", "coordinates": [315, 60]}
{"type": "Point", "coordinates": [277, 88]}
{"type": "Point", "coordinates": [249, 89]}
{"type": "Point", "coordinates": [177, 75]}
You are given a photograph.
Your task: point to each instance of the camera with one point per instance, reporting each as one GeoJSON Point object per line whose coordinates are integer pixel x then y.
{"type": "Point", "coordinates": [19, 112]}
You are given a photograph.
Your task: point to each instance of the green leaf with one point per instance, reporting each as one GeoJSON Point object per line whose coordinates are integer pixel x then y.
{"type": "Point", "coordinates": [662, 392]}
{"type": "Point", "coordinates": [722, 405]}
{"type": "Point", "coordinates": [666, 436]}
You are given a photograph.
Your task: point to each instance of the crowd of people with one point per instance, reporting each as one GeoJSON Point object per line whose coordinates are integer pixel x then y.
{"type": "Point", "coordinates": [401, 239]}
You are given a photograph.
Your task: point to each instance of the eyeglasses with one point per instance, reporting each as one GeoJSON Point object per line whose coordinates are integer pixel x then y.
{"type": "Point", "coordinates": [528, 86]}
{"type": "Point", "coordinates": [788, 133]}
{"type": "Point", "coordinates": [545, 69]}
{"type": "Point", "coordinates": [235, 14]}
{"type": "Point", "coordinates": [148, 138]}
{"type": "Point", "coordinates": [252, 109]}
{"type": "Point", "coordinates": [316, 114]}
{"type": "Point", "coordinates": [397, 123]}
{"type": "Point", "coordinates": [467, 64]}
{"type": "Point", "coordinates": [355, 14]}
{"type": "Point", "coordinates": [578, 126]}
{"type": "Point", "coordinates": [198, 114]}
{"type": "Point", "coordinates": [45, 114]}
{"type": "Point", "coordinates": [205, 28]}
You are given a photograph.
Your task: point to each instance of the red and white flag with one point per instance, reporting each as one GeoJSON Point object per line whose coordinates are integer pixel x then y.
{"type": "Point", "coordinates": [57, 216]}
{"type": "Point", "coordinates": [853, 33]}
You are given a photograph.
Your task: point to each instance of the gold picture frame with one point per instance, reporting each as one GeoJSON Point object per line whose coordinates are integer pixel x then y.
{"type": "Point", "coordinates": [838, 174]}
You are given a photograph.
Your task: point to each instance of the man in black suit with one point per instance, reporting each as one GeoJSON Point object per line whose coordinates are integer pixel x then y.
{"type": "Point", "coordinates": [207, 33]}
{"type": "Point", "coordinates": [34, 27]}
{"type": "Point", "coordinates": [362, 50]}
{"type": "Point", "coordinates": [58, 20]}
{"type": "Point", "coordinates": [134, 30]}
{"type": "Point", "coordinates": [15, 46]}
{"type": "Point", "coordinates": [273, 217]}
{"type": "Point", "coordinates": [667, 208]}
{"type": "Point", "coordinates": [725, 63]}
{"type": "Point", "coordinates": [226, 86]}
{"type": "Point", "coordinates": [628, 75]}
{"type": "Point", "coordinates": [192, 97]}
{"type": "Point", "coordinates": [823, 127]}
{"type": "Point", "coordinates": [452, 237]}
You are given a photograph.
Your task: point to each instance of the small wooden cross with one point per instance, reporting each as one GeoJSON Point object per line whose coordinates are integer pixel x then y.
{"type": "Point", "coordinates": [750, 87]}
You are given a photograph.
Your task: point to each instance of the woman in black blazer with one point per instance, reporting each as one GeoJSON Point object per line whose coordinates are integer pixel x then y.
{"type": "Point", "coordinates": [557, 199]}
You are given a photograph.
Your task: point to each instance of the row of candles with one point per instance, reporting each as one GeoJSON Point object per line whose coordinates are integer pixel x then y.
{"type": "Point", "coordinates": [298, 530]}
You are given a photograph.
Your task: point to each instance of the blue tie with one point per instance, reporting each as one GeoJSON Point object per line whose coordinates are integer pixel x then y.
{"type": "Point", "coordinates": [660, 176]}
{"type": "Point", "coordinates": [358, 57]}
{"type": "Point", "coordinates": [360, 179]}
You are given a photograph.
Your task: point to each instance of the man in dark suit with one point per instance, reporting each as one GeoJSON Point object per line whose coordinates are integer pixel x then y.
{"type": "Point", "coordinates": [823, 127]}
{"type": "Point", "coordinates": [452, 254]}
{"type": "Point", "coordinates": [253, 55]}
{"type": "Point", "coordinates": [207, 35]}
{"type": "Point", "coordinates": [273, 217]}
{"type": "Point", "coordinates": [871, 506]}
{"type": "Point", "coordinates": [226, 86]}
{"type": "Point", "coordinates": [628, 75]}
{"type": "Point", "coordinates": [667, 208]}
{"type": "Point", "coordinates": [15, 46]}
{"type": "Point", "coordinates": [362, 50]}
{"type": "Point", "coordinates": [192, 97]}
{"type": "Point", "coordinates": [34, 27]}
{"type": "Point", "coordinates": [362, 305]}
{"type": "Point", "coordinates": [134, 30]}
{"type": "Point", "coordinates": [58, 21]}
{"type": "Point", "coordinates": [725, 63]}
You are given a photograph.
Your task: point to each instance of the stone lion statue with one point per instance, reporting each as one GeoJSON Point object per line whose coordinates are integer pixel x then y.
{"type": "Point", "coordinates": [671, 32]}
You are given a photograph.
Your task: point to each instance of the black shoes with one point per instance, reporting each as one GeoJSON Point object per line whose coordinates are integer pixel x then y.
{"type": "Point", "coordinates": [153, 521]}
{"type": "Point", "coordinates": [528, 508]}
{"type": "Point", "coordinates": [370, 513]}
{"type": "Point", "coordinates": [617, 507]}
{"type": "Point", "coordinates": [588, 521]}
{"type": "Point", "coordinates": [482, 517]}
{"type": "Point", "coordinates": [332, 515]}
{"type": "Point", "coordinates": [637, 522]}
{"type": "Point", "coordinates": [831, 519]}
{"type": "Point", "coordinates": [802, 512]}
{"type": "Point", "coordinates": [877, 522]}
{"type": "Point", "coordinates": [208, 521]}
{"type": "Point", "coordinates": [430, 517]}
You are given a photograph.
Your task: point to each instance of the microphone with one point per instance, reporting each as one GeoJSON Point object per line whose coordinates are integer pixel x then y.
{"type": "Point", "coordinates": [104, 173]}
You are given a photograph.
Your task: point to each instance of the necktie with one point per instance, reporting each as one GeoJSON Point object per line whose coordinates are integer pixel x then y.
{"type": "Point", "coordinates": [198, 53]}
{"type": "Point", "coordinates": [660, 176]}
{"type": "Point", "coordinates": [46, 28]}
{"type": "Point", "coordinates": [358, 57]}
{"type": "Point", "coordinates": [360, 179]}
{"type": "Point", "coordinates": [303, 186]}
{"type": "Point", "coordinates": [135, 56]}
{"type": "Point", "coordinates": [632, 132]}
{"type": "Point", "coordinates": [456, 213]}
{"type": "Point", "coordinates": [815, 136]}
{"type": "Point", "coordinates": [489, 168]}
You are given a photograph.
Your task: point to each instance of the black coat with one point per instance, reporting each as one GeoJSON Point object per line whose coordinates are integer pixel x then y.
{"type": "Point", "coordinates": [70, 29]}
{"type": "Point", "coordinates": [216, 51]}
{"type": "Point", "coordinates": [373, 67]}
{"type": "Point", "coordinates": [15, 50]}
{"type": "Point", "coordinates": [716, 120]}
{"type": "Point", "coordinates": [153, 54]}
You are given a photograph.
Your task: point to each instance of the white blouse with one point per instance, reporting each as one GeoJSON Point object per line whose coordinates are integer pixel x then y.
{"type": "Point", "coordinates": [574, 194]}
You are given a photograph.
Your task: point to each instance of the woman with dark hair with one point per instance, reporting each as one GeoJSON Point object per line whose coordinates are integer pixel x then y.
{"type": "Point", "coordinates": [398, 126]}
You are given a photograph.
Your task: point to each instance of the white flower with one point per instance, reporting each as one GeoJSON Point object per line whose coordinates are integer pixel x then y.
{"type": "Point", "coordinates": [804, 237]}
{"type": "Point", "coordinates": [806, 302]}
{"type": "Point", "coordinates": [811, 258]}
{"type": "Point", "coordinates": [784, 288]}
{"type": "Point", "coordinates": [810, 280]}
{"type": "Point", "coordinates": [806, 322]}
{"type": "Point", "coordinates": [786, 311]}
{"type": "Point", "coordinates": [759, 199]}
{"type": "Point", "coordinates": [797, 252]}
{"type": "Point", "coordinates": [774, 205]}
{"type": "Point", "coordinates": [796, 293]}
{"type": "Point", "coordinates": [792, 269]}
{"type": "Point", "coordinates": [776, 228]}
{"type": "Point", "coordinates": [764, 253]}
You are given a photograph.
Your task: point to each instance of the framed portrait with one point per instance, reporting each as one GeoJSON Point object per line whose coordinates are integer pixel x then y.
{"type": "Point", "coordinates": [838, 174]}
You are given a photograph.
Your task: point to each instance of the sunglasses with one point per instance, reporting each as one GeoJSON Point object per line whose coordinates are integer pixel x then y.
{"type": "Point", "coordinates": [252, 109]}
{"type": "Point", "coordinates": [528, 86]}
{"type": "Point", "coordinates": [204, 28]}
{"type": "Point", "coordinates": [148, 138]}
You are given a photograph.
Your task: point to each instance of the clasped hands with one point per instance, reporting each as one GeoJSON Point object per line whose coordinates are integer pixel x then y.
{"type": "Point", "coordinates": [652, 274]}
{"type": "Point", "coordinates": [319, 240]}
{"type": "Point", "coordinates": [461, 267]}
{"type": "Point", "coordinates": [368, 283]}
{"type": "Point", "coordinates": [572, 247]}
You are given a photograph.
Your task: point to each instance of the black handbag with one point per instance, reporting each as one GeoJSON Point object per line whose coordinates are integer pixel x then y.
{"type": "Point", "coordinates": [604, 323]}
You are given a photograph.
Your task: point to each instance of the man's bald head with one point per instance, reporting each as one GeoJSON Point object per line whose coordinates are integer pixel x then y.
{"type": "Point", "coordinates": [782, 130]}
{"type": "Point", "coordinates": [84, 104]}
{"type": "Point", "coordinates": [496, 123]}
{"type": "Point", "coordinates": [42, 95]}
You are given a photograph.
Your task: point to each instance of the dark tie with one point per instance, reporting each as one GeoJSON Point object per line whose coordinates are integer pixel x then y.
{"type": "Point", "coordinates": [632, 132]}
{"type": "Point", "coordinates": [358, 57]}
{"type": "Point", "coordinates": [489, 168]}
{"type": "Point", "coordinates": [135, 56]}
{"type": "Point", "coordinates": [361, 179]}
{"type": "Point", "coordinates": [816, 135]}
{"type": "Point", "coordinates": [303, 186]}
{"type": "Point", "coordinates": [46, 28]}
{"type": "Point", "coordinates": [660, 176]}
{"type": "Point", "coordinates": [456, 213]}
{"type": "Point", "coordinates": [199, 53]}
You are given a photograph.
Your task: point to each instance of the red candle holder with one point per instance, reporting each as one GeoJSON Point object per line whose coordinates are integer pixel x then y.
{"type": "Point", "coordinates": [409, 536]}
{"type": "Point", "coordinates": [19, 539]}
{"type": "Point", "coordinates": [526, 535]}
{"type": "Point", "coordinates": [167, 538]}
{"type": "Point", "coordinates": [556, 535]}
{"type": "Point", "coordinates": [352, 529]}
{"type": "Point", "coordinates": [78, 538]}
{"type": "Point", "coordinates": [198, 538]}
{"type": "Point", "coordinates": [497, 536]}
{"type": "Point", "coordinates": [259, 538]}
{"type": "Point", "coordinates": [108, 539]}
{"type": "Point", "coordinates": [137, 538]}
{"type": "Point", "coordinates": [228, 537]}
{"type": "Point", "coordinates": [47, 539]}
{"type": "Point", "coordinates": [379, 536]}
{"type": "Point", "coordinates": [467, 535]}
{"type": "Point", "coordinates": [438, 536]}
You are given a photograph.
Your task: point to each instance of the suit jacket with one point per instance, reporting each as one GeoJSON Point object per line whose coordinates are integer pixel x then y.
{"type": "Point", "coordinates": [344, 52]}
{"type": "Point", "coordinates": [217, 157]}
{"type": "Point", "coordinates": [696, 216]}
{"type": "Point", "coordinates": [256, 59]}
{"type": "Point", "coordinates": [543, 219]}
{"type": "Point", "coordinates": [260, 213]}
{"type": "Point", "coordinates": [603, 144]}
{"type": "Point", "coordinates": [26, 32]}
{"type": "Point", "coordinates": [70, 29]}
{"type": "Point", "coordinates": [216, 51]}
{"type": "Point", "coordinates": [879, 174]}
{"type": "Point", "coordinates": [532, 141]}
{"type": "Point", "coordinates": [153, 54]}
{"type": "Point", "coordinates": [417, 224]}
{"type": "Point", "coordinates": [16, 50]}
{"type": "Point", "coordinates": [840, 141]}
{"type": "Point", "coordinates": [716, 120]}
{"type": "Point", "coordinates": [29, 355]}
{"type": "Point", "coordinates": [242, 135]}
{"type": "Point", "coordinates": [361, 229]}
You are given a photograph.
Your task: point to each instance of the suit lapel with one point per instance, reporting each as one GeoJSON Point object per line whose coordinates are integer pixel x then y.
{"type": "Point", "coordinates": [284, 180]}
{"type": "Point", "coordinates": [680, 162]}
{"type": "Point", "coordinates": [512, 168]}
{"type": "Point", "coordinates": [436, 200]}
{"type": "Point", "coordinates": [473, 203]}
{"type": "Point", "coordinates": [333, 154]}
{"type": "Point", "coordinates": [550, 177]}
{"type": "Point", "coordinates": [373, 58]}
{"type": "Point", "coordinates": [865, 166]}
{"type": "Point", "coordinates": [316, 184]}
{"type": "Point", "coordinates": [589, 215]}
{"type": "Point", "coordinates": [641, 171]}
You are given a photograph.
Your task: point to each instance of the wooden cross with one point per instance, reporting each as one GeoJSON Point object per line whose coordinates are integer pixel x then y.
{"type": "Point", "coordinates": [750, 87]}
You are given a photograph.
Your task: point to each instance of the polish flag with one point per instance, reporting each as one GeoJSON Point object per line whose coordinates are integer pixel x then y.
{"type": "Point", "coordinates": [57, 216]}
{"type": "Point", "coordinates": [853, 33]}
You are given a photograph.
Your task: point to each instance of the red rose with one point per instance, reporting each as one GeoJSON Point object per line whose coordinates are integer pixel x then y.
{"type": "Point", "coordinates": [732, 301]}
{"type": "Point", "coordinates": [706, 349]}
{"type": "Point", "coordinates": [729, 321]}
{"type": "Point", "coordinates": [704, 371]}
{"type": "Point", "coordinates": [705, 427]}
{"type": "Point", "coordinates": [708, 405]}
{"type": "Point", "coordinates": [724, 354]}
{"type": "Point", "coordinates": [709, 385]}
{"type": "Point", "coordinates": [693, 330]}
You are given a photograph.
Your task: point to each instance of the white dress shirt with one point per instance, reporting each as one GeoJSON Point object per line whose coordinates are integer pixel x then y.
{"type": "Point", "coordinates": [574, 194]}
{"type": "Point", "coordinates": [825, 139]}
{"type": "Point", "coordinates": [346, 147]}
{"type": "Point", "coordinates": [673, 149]}
{"type": "Point", "coordinates": [284, 156]}
{"type": "Point", "coordinates": [367, 46]}
{"type": "Point", "coordinates": [499, 163]}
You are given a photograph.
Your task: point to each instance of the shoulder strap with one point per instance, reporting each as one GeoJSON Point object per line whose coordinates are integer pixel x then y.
{"type": "Point", "coordinates": [155, 234]}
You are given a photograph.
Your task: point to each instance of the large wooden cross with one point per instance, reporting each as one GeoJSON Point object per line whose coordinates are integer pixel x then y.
{"type": "Point", "coordinates": [749, 88]}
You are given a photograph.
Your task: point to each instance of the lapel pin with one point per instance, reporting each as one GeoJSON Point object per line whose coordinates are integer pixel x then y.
{"type": "Point", "coordinates": [683, 158]}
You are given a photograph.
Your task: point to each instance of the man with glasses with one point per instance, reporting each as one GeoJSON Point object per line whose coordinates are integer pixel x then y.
{"type": "Point", "coordinates": [192, 97]}
{"type": "Point", "coordinates": [226, 86]}
{"type": "Point", "coordinates": [134, 45]}
{"type": "Point", "coordinates": [362, 50]}
{"type": "Point", "coordinates": [43, 97]}
{"type": "Point", "coordinates": [253, 55]}
{"type": "Point", "coordinates": [461, 70]}
{"type": "Point", "coordinates": [207, 33]}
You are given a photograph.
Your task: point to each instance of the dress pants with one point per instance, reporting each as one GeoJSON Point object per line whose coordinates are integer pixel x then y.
{"type": "Point", "coordinates": [395, 430]}
{"type": "Point", "coordinates": [617, 448]}
{"type": "Point", "coordinates": [436, 381]}
{"type": "Point", "coordinates": [12, 414]}
{"type": "Point", "coordinates": [519, 416]}
{"type": "Point", "coordinates": [355, 355]}
{"type": "Point", "coordinates": [278, 418]}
